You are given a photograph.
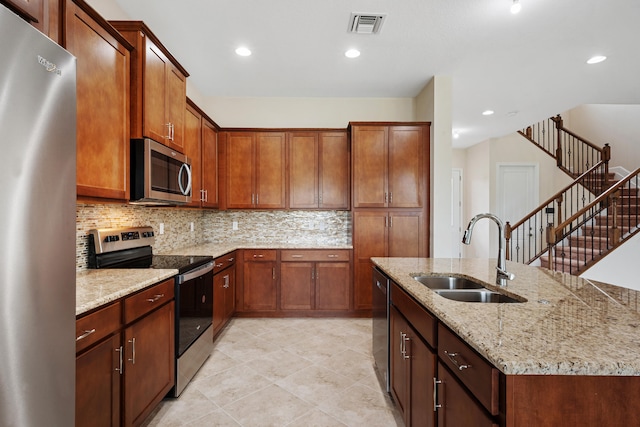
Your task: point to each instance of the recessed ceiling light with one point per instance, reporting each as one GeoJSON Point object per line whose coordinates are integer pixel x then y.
{"type": "Point", "coordinates": [516, 7]}
{"type": "Point", "coordinates": [596, 59]}
{"type": "Point", "coordinates": [487, 112]}
{"type": "Point", "coordinates": [352, 53]}
{"type": "Point", "coordinates": [243, 51]}
{"type": "Point", "coordinates": [456, 134]}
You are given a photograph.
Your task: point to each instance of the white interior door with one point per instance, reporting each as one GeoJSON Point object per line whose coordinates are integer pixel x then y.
{"type": "Point", "coordinates": [517, 194]}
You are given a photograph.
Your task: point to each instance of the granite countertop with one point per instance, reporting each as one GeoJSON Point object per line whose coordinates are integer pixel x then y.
{"type": "Point", "coordinates": [95, 288]}
{"type": "Point", "coordinates": [567, 326]}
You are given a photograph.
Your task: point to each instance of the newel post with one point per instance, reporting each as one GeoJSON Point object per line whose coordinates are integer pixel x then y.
{"type": "Point", "coordinates": [606, 156]}
{"type": "Point", "coordinates": [614, 238]}
{"type": "Point", "coordinates": [559, 127]}
{"type": "Point", "coordinates": [551, 242]}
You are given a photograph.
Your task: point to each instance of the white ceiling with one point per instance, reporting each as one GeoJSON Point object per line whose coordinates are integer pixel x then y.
{"type": "Point", "coordinates": [532, 63]}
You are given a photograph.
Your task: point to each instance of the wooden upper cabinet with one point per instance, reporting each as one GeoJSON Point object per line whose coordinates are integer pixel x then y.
{"type": "Point", "coordinates": [209, 164]}
{"type": "Point", "coordinates": [193, 150]}
{"type": "Point", "coordinates": [318, 170]}
{"type": "Point", "coordinates": [102, 86]}
{"type": "Point", "coordinates": [33, 10]}
{"type": "Point", "coordinates": [389, 166]}
{"type": "Point", "coordinates": [256, 170]}
{"type": "Point", "coordinates": [158, 88]}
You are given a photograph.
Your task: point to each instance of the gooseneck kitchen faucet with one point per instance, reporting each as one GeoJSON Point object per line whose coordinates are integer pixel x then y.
{"type": "Point", "coordinates": [502, 262]}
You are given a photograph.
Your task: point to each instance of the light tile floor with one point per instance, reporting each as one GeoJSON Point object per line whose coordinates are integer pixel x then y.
{"type": "Point", "coordinates": [285, 372]}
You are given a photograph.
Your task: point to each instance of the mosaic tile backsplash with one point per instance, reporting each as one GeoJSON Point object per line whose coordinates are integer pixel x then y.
{"type": "Point", "coordinates": [309, 227]}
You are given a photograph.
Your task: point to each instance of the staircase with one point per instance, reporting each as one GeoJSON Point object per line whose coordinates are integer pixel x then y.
{"type": "Point", "coordinates": [586, 220]}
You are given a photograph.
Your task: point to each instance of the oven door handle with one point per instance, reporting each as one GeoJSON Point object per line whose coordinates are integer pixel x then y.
{"type": "Point", "coordinates": [192, 274]}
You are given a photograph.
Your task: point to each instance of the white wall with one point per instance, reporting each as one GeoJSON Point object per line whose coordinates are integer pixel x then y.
{"type": "Point", "coordinates": [434, 104]}
{"type": "Point", "coordinates": [616, 125]}
{"type": "Point", "coordinates": [305, 112]}
{"type": "Point", "coordinates": [620, 267]}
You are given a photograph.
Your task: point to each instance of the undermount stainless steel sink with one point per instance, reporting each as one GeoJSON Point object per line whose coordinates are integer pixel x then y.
{"type": "Point", "coordinates": [476, 295]}
{"type": "Point", "coordinates": [462, 289]}
{"type": "Point", "coordinates": [448, 282]}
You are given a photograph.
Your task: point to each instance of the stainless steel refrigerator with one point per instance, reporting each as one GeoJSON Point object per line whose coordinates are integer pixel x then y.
{"type": "Point", "coordinates": [37, 227]}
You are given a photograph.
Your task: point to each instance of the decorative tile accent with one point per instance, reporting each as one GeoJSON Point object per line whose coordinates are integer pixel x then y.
{"type": "Point", "coordinates": [260, 227]}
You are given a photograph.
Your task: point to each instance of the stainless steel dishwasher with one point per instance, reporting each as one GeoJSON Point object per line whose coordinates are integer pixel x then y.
{"type": "Point", "coordinates": [380, 339]}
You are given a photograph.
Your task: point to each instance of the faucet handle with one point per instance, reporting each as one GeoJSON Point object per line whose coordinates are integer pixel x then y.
{"type": "Point", "coordinates": [505, 274]}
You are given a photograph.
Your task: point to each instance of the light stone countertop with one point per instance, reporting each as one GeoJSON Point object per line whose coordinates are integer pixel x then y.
{"type": "Point", "coordinates": [95, 288]}
{"type": "Point", "coordinates": [586, 328]}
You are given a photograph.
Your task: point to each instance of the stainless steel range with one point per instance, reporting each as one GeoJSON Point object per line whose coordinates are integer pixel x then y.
{"type": "Point", "coordinates": [132, 248]}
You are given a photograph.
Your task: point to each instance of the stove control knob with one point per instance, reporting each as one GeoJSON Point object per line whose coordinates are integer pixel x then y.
{"type": "Point", "coordinates": [113, 238]}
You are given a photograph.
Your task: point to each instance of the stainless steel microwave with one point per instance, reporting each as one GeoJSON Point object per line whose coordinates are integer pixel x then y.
{"type": "Point", "coordinates": [159, 175]}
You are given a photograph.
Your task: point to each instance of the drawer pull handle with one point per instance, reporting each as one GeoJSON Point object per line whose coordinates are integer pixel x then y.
{"type": "Point", "coordinates": [231, 259]}
{"type": "Point", "coordinates": [435, 394]}
{"type": "Point", "coordinates": [452, 357]}
{"type": "Point", "coordinates": [296, 256]}
{"type": "Point", "coordinates": [85, 334]}
{"type": "Point", "coordinates": [219, 265]}
{"type": "Point", "coordinates": [332, 256]}
{"type": "Point", "coordinates": [258, 256]}
{"type": "Point", "coordinates": [155, 298]}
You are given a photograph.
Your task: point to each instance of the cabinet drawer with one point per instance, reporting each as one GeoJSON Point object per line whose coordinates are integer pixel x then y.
{"type": "Point", "coordinates": [223, 262]}
{"type": "Point", "coordinates": [480, 377]}
{"type": "Point", "coordinates": [149, 299]}
{"type": "Point", "coordinates": [315, 255]}
{"type": "Point", "coordinates": [260, 254]}
{"type": "Point", "coordinates": [421, 319]}
{"type": "Point", "coordinates": [97, 325]}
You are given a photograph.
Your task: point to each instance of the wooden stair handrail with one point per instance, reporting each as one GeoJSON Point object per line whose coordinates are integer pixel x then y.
{"type": "Point", "coordinates": [559, 125]}
{"type": "Point", "coordinates": [555, 196]}
{"type": "Point", "coordinates": [597, 200]}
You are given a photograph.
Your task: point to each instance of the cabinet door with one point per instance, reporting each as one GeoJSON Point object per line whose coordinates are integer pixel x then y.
{"type": "Point", "coordinates": [229, 283]}
{"type": "Point", "coordinates": [98, 385]}
{"type": "Point", "coordinates": [155, 95]}
{"type": "Point", "coordinates": [209, 165]}
{"type": "Point", "coordinates": [149, 356]}
{"type": "Point", "coordinates": [32, 9]}
{"type": "Point", "coordinates": [457, 407]}
{"type": "Point", "coordinates": [270, 171]}
{"type": "Point", "coordinates": [240, 170]}
{"type": "Point", "coordinates": [406, 234]}
{"type": "Point", "coordinates": [102, 107]}
{"type": "Point", "coordinates": [260, 286]}
{"type": "Point", "coordinates": [399, 366]}
{"type": "Point", "coordinates": [422, 371]}
{"type": "Point", "coordinates": [406, 166]}
{"type": "Point", "coordinates": [193, 150]}
{"type": "Point", "coordinates": [175, 106]}
{"type": "Point", "coordinates": [370, 166]}
{"type": "Point", "coordinates": [370, 239]}
{"type": "Point", "coordinates": [334, 178]}
{"type": "Point", "coordinates": [303, 170]}
{"type": "Point", "coordinates": [297, 285]}
{"type": "Point", "coordinates": [218, 301]}
{"type": "Point", "coordinates": [332, 285]}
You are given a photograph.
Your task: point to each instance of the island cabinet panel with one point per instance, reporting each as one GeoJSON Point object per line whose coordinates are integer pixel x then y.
{"type": "Point", "coordinates": [411, 358]}
{"type": "Point", "coordinates": [255, 170]}
{"type": "Point", "coordinates": [260, 280]}
{"type": "Point", "coordinates": [158, 88]}
{"type": "Point", "coordinates": [102, 105]}
{"type": "Point", "coordinates": [318, 170]}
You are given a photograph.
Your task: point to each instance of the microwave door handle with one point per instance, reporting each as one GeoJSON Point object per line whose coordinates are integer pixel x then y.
{"type": "Point", "coordinates": [185, 167]}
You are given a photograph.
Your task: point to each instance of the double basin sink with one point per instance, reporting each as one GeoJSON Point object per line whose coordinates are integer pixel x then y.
{"type": "Point", "coordinates": [462, 289]}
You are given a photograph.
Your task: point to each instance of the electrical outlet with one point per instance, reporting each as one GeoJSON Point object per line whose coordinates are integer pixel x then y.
{"type": "Point", "coordinates": [161, 228]}
{"type": "Point", "coordinates": [234, 225]}
{"type": "Point", "coordinates": [192, 227]}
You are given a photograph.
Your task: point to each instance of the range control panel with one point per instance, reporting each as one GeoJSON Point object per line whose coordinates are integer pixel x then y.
{"type": "Point", "coordinates": [115, 239]}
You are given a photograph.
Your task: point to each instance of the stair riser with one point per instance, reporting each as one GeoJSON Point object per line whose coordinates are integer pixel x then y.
{"type": "Point", "coordinates": [624, 221]}
{"type": "Point", "coordinates": [558, 265]}
{"type": "Point", "coordinates": [603, 231]}
{"type": "Point", "coordinates": [589, 243]}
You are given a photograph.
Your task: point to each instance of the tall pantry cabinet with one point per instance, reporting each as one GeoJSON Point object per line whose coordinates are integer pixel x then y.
{"type": "Point", "coordinates": [390, 165]}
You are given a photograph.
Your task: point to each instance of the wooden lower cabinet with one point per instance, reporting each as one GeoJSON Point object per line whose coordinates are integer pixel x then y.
{"type": "Point", "coordinates": [224, 297]}
{"type": "Point", "coordinates": [412, 367]}
{"type": "Point", "coordinates": [125, 358]}
{"type": "Point", "coordinates": [456, 406]}
{"type": "Point", "coordinates": [98, 384]}
{"type": "Point", "coordinates": [260, 280]}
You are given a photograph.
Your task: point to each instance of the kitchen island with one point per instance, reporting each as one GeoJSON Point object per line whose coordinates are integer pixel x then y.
{"type": "Point", "coordinates": [567, 354]}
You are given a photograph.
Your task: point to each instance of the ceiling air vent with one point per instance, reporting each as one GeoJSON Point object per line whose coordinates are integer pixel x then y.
{"type": "Point", "coordinates": [366, 23]}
